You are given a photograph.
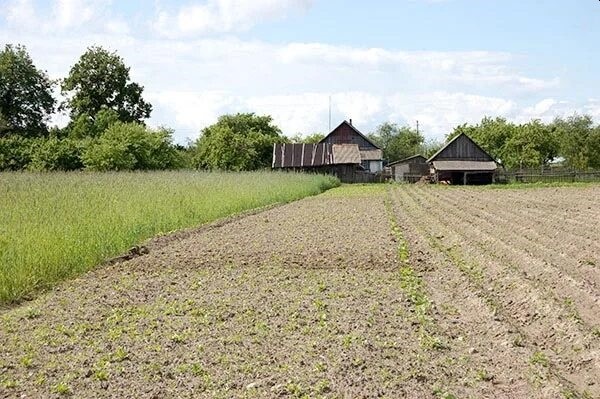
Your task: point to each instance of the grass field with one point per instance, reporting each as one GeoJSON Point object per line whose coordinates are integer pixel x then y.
{"type": "Point", "coordinates": [53, 226]}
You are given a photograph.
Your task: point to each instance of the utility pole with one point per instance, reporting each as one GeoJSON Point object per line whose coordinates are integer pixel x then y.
{"type": "Point", "coordinates": [329, 114]}
{"type": "Point", "coordinates": [417, 127]}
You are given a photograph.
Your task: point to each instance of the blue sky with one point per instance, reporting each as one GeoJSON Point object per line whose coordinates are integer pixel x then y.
{"type": "Point", "coordinates": [442, 62]}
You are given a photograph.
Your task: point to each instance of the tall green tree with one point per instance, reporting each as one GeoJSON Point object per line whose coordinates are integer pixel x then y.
{"type": "Point", "coordinates": [238, 142]}
{"type": "Point", "coordinates": [578, 141]}
{"type": "Point", "coordinates": [26, 101]}
{"type": "Point", "coordinates": [397, 142]}
{"type": "Point", "coordinates": [533, 144]}
{"type": "Point", "coordinates": [100, 81]}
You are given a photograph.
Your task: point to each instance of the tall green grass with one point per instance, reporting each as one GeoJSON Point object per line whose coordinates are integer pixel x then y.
{"type": "Point", "coordinates": [56, 225]}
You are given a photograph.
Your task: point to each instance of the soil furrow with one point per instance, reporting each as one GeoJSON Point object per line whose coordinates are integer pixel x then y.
{"type": "Point", "coordinates": [541, 318]}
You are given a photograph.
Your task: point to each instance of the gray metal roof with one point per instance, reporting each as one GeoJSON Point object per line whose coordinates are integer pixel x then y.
{"type": "Point", "coordinates": [371, 155]}
{"type": "Point", "coordinates": [467, 166]}
{"type": "Point", "coordinates": [346, 153]}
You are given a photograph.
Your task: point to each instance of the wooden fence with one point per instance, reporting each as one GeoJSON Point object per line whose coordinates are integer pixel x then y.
{"type": "Point", "coordinates": [547, 175]}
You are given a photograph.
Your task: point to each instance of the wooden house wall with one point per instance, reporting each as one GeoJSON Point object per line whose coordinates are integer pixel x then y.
{"type": "Point", "coordinates": [345, 134]}
{"type": "Point", "coordinates": [463, 149]}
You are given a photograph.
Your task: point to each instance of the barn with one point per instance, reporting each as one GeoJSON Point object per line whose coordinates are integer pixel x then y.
{"type": "Point", "coordinates": [410, 169]}
{"type": "Point", "coordinates": [341, 160]}
{"type": "Point", "coordinates": [462, 161]}
{"type": "Point", "coordinates": [371, 156]}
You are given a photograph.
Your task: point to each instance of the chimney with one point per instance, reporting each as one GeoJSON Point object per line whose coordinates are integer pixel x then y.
{"type": "Point", "coordinates": [350, 122]}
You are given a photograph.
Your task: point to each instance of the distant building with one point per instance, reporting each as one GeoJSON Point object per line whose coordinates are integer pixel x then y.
{"type": "Point", "coordinates": [345, 153]}
{"type": "Point", "coordinates": [341, 160]}
{"type": "Point", "coordinates": [371, 156]}
{"type": "Point", "coordinates": [409, 170]}
{"type": "Point", "coordinates": [462, 161]}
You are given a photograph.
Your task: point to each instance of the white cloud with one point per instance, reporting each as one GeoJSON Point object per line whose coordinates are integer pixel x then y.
{"type": "Point", "coordinates": [191, 82]}
{"type": "Point", "coordinates": [218, 16]}
{"type": "Point", "coordinates": [193, 111]}
{"type": "Point", "coordinates": [19, 13]}
{"type": "Point", "coordinates": [72, 13]}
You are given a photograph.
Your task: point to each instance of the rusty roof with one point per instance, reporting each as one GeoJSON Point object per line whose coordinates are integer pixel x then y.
{"type": "Point", "coordinates": [287, 155]}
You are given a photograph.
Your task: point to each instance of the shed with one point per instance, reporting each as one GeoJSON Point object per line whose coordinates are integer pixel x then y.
{"type": "Point", "coordinates": [371, 155]}
{"type": "Point", "coordinates": [462, 161]}
{"type": "Point", "coordinates": [410, 169]}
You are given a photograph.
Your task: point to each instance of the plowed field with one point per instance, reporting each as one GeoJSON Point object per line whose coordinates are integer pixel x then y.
{"type": "Point", "coordinates": [375, 291]}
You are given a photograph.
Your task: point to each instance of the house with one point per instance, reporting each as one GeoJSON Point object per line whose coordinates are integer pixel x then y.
{"type": "Point", "coordinates": [371, 156]}
{"type": "Point", "coordinates": [410, 169]}
{"type": "Point", "coordinates": [341, 160]}
{"type": "Point", "coordinates": [462, 161]}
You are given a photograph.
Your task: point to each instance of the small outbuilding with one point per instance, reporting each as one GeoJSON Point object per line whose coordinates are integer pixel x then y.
{"type": "Point", "coordinates": [462, 161]}
{"type": "Point", "coordinates": [409, 170]}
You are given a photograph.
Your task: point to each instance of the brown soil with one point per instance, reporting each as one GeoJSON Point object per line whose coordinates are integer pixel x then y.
{"type": "Point", "coordinates": [498, 299]}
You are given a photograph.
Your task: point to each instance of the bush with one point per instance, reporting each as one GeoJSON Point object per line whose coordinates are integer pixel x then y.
{"type": "Point", "coordinates": [15, 152]}
{"type": "Point", "coordinates": [55, 154]}
{"type": "Point", "coordinates": [131, 146]}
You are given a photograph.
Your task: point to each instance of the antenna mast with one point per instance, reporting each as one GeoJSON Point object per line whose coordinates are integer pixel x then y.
{"type": "Point", "coordinates": [329, 113]}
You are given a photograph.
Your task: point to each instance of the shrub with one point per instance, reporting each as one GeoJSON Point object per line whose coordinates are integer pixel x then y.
{"type": "Point", "coordinates": [15, 152]}
{"type": "Point", "coordinates": [55, 154]}
{"type": "Point", "coordinates": [131, 146]}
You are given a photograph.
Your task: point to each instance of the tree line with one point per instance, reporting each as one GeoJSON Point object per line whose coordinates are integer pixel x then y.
{"type": "Point", "coordinates": [573, 142]}
{"type": "Point", "coordinates": [107, 130]}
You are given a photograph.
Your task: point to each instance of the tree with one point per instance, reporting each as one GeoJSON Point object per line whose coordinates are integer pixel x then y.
{"type": "Point", "coordinates": [530, 145]}
{"type": "Point", "coordinates": [26, 101]}
{"type": "Point", "coordinates": [238, 142]}
{"type": "Point", "coordinates": [100, 81]}
{"type": "Point", "coordinates": [578, 141]}
{"type": "Point", "coordinates": [397, 142]}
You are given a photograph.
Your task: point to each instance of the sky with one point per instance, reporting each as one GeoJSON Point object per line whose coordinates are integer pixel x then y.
{"type": "Point", "coordinates": [441, 62]}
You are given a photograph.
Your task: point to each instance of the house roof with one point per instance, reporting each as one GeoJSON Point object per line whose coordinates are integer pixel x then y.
{"type": "Point", "coordinates": [466, 166]}
{"type": "Point", "coordinates": [448, 144]}
{"type": "Point", "coordinates": [407, 159]}
{"type": "Point", "coordinates": [371, 155]}
{"type": "Point", "coordinates": [355, 130]}
{"type": "Point", "coordinates": [346, 153]}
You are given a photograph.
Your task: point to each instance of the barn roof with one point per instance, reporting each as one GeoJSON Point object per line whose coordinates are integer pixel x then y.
{"type": "Point", "coordinates": [461, 143]}
{"type": "Point", "coordinates": [355, 130]}
{"type": "Point", "coordinates": [407, 159]}
{"type": "Point", "coordinates": [468, 166]}
{"type": "Point", "coordinates": [302, 155]}
{"type": "Point", "coordinates": [287, 155]}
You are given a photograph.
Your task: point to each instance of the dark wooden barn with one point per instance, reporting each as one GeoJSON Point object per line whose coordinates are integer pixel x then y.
{"type": "Point", "coordinates": [462, 161]}
{"type": "Point", "coordinates": [410, 169]}
{"type": "Point", "coordinates": [341, 160]}
{"type": "Point", "coordinates": [346, 133]}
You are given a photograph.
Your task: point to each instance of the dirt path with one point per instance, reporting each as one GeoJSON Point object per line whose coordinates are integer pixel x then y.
{"type": "Point", "coordinates": [361, 292]}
